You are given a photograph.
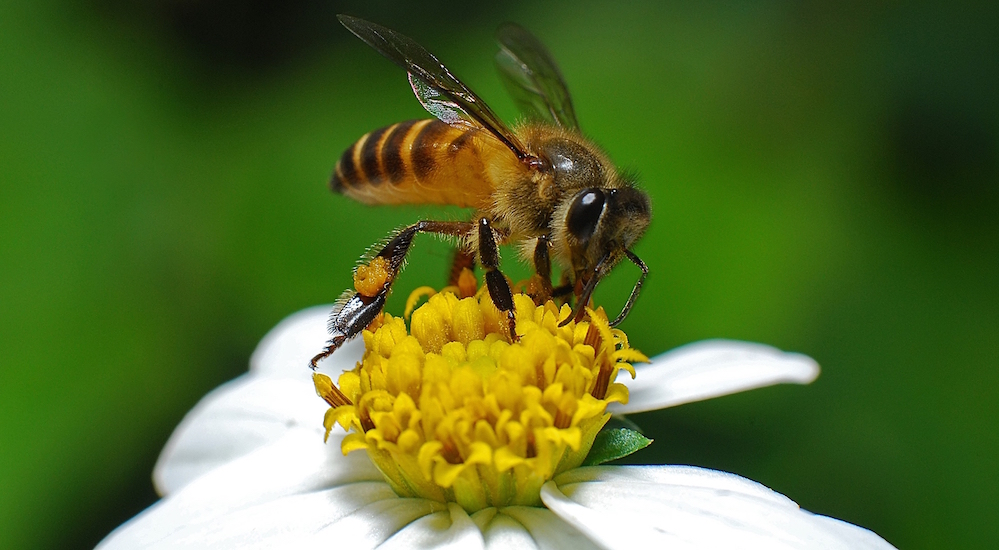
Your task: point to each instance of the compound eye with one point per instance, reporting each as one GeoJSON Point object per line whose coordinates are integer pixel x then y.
{"type": "Point", "coordinates": [584, 213]}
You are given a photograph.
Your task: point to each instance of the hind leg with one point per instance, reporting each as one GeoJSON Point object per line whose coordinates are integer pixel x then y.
{"type": "Point", "coordinates": [359, 309]}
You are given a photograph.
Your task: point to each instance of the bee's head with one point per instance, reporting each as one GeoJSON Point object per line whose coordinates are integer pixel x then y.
{"type": "Point", "coordinates": [594, 227]}
{"type": "Point", "coordinates": [605, 213]}
{"type": "Point", "coordinates": [601, 223]}
{"type": "Point", "coordinates": [600, 227]}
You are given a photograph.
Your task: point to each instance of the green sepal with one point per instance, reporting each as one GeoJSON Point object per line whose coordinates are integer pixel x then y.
{"type": "Point", "coordinates": [614, 443]}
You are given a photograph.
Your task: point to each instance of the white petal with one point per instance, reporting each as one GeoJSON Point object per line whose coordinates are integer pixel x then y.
{"type": "Point", "coordinates": [254, 410]}
{"type": "Point", "coordinates": [686, 507]}
{"type": "Point", "coordinates": [854, 535]}
{"type": "Point", "coordinates": [288, 347]}
{"type": "Point", "coordinates": [711, 368]}
{"type": "Point", "coordinates": [236, 419]}
{"type": "Point", "coordinates": [297, 464]}
{"type": "Point", "coordinates": [529, 527]}
{"type": "Point", "coordinates": [373, 525]}
{"type": "Point", "coordinates": [446, 529]}
{"type": "Point", "coordinates": [501, 531]}
{"type": "Point", "coordinates": [287, 522]}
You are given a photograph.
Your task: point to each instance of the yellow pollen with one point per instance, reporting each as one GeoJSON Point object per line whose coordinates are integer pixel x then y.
{"type": "Point", "coordinates": [450, 410]}
{"type": "Point", "coordinates": [369, 279]}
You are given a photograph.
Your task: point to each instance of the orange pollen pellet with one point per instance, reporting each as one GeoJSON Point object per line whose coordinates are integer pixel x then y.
{"type": "Point", "coordinates": [370, 279]}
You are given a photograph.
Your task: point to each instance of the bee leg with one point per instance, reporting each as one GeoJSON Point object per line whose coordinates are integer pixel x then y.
{"type": "Point", "coordinates": [496, 283]}
{"type": "Point", "coordinates": [354, 313]}
{"type": "Point", "coordinates": [562, 291]}
{"type": "Point", "coordinates": [543, 270]}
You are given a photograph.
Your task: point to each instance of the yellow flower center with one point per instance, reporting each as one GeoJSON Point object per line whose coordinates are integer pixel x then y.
{"type": "Point", "coordinates": [452, 411]}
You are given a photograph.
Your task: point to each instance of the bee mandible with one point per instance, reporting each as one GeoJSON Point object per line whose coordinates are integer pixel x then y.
{"type": "Point", "coordinates": [540, 184]}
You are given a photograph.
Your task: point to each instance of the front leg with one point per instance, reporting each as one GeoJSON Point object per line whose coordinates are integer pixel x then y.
{"type": "Point", "coordinates": [356, 310]}
{"type": "Point", "coordinates": [541, 284]}
{"type": "Point", "coordinates": [496, 283]}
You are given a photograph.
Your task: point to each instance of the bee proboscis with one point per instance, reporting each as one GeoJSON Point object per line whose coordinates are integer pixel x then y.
{"type": "Point", "coordinates": [540, 184]}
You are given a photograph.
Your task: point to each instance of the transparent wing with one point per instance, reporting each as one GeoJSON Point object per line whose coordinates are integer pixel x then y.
{"type": "Point", "coordinates": [438, 90]}
{"type": "Point", "coordinates": [532, 76]}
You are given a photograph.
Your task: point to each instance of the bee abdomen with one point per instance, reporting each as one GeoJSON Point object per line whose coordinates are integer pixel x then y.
{"type": "Point", "coordinates": [419, 161]}
{"type": "Point", "coordinates": [373, 159]}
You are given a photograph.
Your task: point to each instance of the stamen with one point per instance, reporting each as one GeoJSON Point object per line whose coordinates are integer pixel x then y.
{"type": "Point", "coordinates": [598, 328]}
{"type": "Point", "coordinates": [414, 298]}
{"type": "Point", "coordinates": [592, 337]}
{"type": "Point", "coordinates": [330, 393]}
{"type": "Point", "coordinates": [450, 453]}
{"type": "Point", "coordinates": [467, 285]}
{"type": "Point", "coordinates": [561, 419]}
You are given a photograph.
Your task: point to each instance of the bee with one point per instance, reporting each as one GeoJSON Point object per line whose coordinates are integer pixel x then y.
{"type": "Point", "coordinates": [540, 184]}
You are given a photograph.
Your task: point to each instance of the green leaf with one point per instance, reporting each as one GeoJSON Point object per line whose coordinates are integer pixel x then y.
{"type": "Point", "coordinates": [614, 443]}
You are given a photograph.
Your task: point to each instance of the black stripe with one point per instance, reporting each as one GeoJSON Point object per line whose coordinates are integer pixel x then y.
{"type": "Point", "coordinates": [392, 151]}
{"type": "Point", "coordinates": [423, 147]}
{"type": "Point", "coordinates": [345, 167]}
{"type": "Point", "coordinates": [460, 142]}
{"type": "Point", "coordinates": [369, 157]}
{"type": "Point", "coordinates": [336, 184]}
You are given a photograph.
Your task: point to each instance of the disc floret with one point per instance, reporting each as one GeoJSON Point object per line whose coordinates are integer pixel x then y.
{"type": "Point", "coordinates": [451, 410]}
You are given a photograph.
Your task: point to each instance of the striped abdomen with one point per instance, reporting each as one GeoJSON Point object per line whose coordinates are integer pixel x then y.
{"type": "Point", "coordinates": [419, 161]}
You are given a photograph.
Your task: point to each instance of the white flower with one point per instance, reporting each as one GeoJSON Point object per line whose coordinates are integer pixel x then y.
{"type": "Point", "coordinates": [248, 468]}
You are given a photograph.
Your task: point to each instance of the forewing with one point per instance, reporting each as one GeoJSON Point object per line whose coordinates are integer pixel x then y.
{"type": "Point", "coordinates": [438, 90]}
{"type": "Point", "coordinates": [439, 104]}
{"type": "Point", "coordinates": [532, 76]}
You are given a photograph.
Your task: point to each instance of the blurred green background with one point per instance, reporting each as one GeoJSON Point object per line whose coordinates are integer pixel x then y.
{"type": "Point", "coordinates": [824, 179]}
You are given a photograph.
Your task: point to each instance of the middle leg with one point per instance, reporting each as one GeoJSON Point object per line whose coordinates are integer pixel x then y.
{"type": "Point", "coordinates": [496, 283]}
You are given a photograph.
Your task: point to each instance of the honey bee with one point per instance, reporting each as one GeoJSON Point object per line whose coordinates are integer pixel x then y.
{"type": "Point", "coordinates": [540, 184]}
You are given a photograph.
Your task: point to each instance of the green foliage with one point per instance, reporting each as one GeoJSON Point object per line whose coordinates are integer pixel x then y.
{"type": "Point", "coordinates": [822, 178]}
{"type": "Point", "coordinates": [614, 443]}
